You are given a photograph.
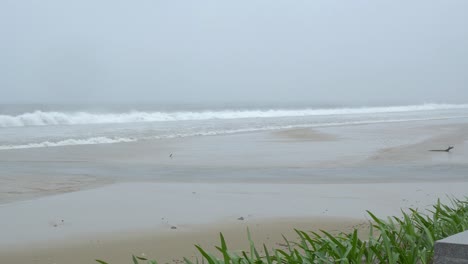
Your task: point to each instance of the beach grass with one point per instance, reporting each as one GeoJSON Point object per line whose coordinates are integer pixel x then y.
{"type": "Point", "coordinates": [405, 239]}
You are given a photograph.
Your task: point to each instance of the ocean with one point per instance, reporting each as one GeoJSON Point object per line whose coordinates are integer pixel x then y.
{"type": "Point", "coordinates": [36, 126]}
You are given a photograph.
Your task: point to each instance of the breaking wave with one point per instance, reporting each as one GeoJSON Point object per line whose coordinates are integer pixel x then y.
{"type": "Point", "coordinates": [108, 140]}
{"type": "Point", "coordinates": [41, 118]}
{"type": "Point", "coordinates": [69, 142]}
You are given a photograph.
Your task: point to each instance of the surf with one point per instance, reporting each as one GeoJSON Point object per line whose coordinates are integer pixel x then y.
{"type": "Point", "coordinates": [54, 118]}
{"type": "Point", "coordinates": [113, 140]}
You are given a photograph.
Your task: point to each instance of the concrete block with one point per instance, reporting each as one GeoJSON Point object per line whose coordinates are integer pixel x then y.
{"type": "Point", "coordinates": [453, 249]}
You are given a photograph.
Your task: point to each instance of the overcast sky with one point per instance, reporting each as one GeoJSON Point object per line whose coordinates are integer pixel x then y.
{"type": "Point", "coordinates": [245, 50]}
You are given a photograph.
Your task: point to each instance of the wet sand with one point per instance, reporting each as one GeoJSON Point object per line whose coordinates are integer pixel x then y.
{"type": "Point", "coordinates": [129, 195]}
{"type": "Point", "coordinates": [78, 225]}
{"type": "Point", "coordinates": [171, 246]}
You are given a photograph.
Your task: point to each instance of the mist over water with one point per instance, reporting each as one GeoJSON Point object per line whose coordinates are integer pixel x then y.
{"type": "Point", "coordinates": [321, 108]}
{"type": "Point", "coordinates": [107, 72]}
{"type": "Point", "coordinates": [323, 53]}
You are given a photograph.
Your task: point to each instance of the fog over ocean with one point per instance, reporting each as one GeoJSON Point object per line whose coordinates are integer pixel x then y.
{"type": "Point", "coordinates": [145, 127]}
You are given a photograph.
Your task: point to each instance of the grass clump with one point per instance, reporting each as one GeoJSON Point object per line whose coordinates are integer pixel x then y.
{"type": "Point", "coordinates": [407, 239]}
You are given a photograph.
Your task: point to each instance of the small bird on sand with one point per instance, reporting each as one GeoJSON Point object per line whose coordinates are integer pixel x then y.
{"type": "Point", "coordinates": [170, 156]}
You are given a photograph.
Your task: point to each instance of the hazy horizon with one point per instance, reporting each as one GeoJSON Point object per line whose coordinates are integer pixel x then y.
{"type": "Point", "coordinates": [246, 52]}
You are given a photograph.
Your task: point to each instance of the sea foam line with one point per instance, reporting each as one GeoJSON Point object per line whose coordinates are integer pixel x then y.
{"type": "Point", "coordinates": [40, 118]}
{"type": "Point", "coordinates": [69, 142]}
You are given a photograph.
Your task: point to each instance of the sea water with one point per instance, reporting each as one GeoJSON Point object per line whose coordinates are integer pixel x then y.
{"type": "Point", "coordinates": [35, 126]}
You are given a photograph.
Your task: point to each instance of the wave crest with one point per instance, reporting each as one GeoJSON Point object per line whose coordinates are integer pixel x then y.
{"type": "Point", "coordinates": [40, 118]}
{"type": "Point", "coordinates": [70, 142]}
{"type": "Point", "coordinates": [106, 140]}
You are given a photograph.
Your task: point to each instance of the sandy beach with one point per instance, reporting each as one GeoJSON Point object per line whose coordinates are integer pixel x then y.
{"type": "Point", "coordinates": [74, 204]}
{"type": "Point", "coordinates": [148, 127]}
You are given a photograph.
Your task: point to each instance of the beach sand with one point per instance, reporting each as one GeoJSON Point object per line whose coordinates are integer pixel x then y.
{"type": "Point", "coordinates": [129, 195]}
{"type": "Point", "coordinates": [171, 246]}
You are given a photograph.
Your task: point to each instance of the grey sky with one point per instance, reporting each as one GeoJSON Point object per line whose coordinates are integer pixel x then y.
{"type": "Point", "coordinates": [255, 50]}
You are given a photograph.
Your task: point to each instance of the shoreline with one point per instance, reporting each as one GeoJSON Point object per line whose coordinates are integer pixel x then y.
{"type": "Point", "coordinates": [348, 154]}
{"type": "Point", "coordinates": [327, 175]}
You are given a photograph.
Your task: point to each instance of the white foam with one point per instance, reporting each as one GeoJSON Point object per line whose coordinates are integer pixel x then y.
{"type": "Point", "coordinates": [40, 118]}
{"type": "Point", "coordinates": [107, 140]}
{"type": "Point", "coordinates": [69, 142]}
